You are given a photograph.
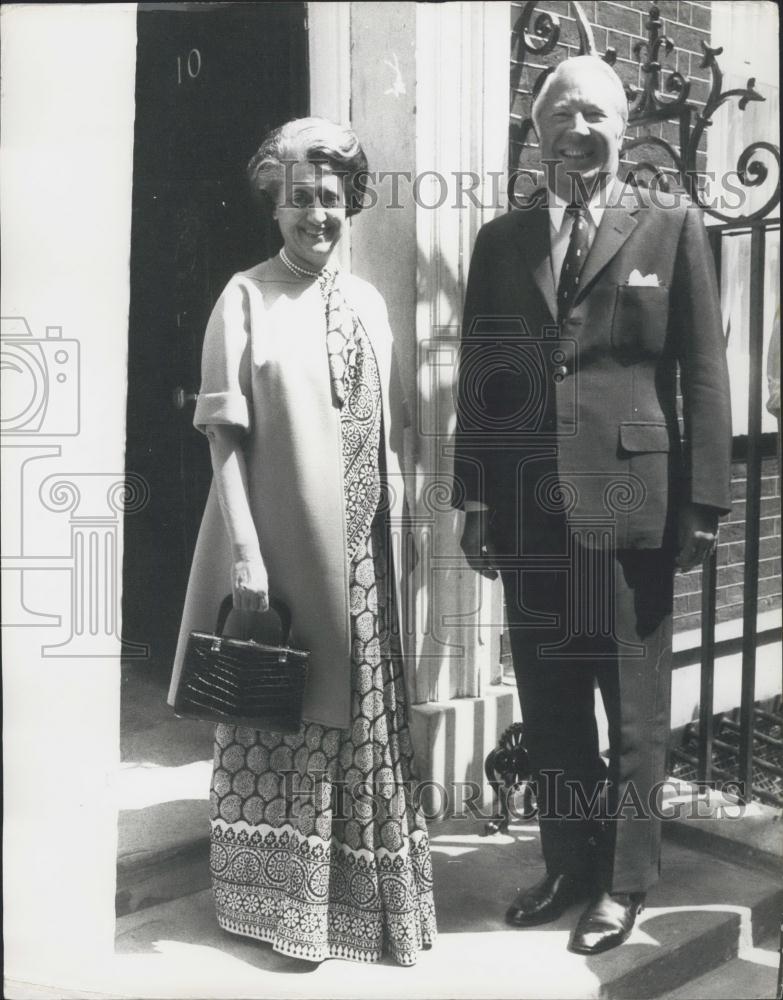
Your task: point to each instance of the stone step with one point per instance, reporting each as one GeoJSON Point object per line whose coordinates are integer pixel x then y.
{"type": "Point", "coordinates": [749, 976]}
{"type": "Point", "coordinates": [162, 793]}
{"type": "Point", "coordinates": [704, 912]}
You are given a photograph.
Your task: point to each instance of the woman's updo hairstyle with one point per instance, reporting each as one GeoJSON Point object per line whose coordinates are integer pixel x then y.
{"type": "Point", "coordinates": [311, 140]}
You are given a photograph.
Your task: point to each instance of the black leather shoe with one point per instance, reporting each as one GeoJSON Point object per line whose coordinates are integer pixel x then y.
{"type": "Point", "coordinates": [545, 900]}
{"type": "Point", "coordinates": [606, 922]}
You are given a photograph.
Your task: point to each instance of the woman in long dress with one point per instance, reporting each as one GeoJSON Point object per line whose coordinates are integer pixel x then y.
{"type": "Point", "coordinates": [317, 844]}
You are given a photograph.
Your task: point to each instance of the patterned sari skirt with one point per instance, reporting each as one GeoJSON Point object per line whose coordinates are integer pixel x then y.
{"type": "Point", "coordinates": [318, 845]}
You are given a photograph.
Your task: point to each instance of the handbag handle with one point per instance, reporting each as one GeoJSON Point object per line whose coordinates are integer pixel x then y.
{"type": "Point", "coordinates": [280, 608]}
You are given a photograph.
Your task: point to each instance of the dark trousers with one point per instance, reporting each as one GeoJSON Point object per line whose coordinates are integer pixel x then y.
{"type": "Point", "coordinates": [609, 625]}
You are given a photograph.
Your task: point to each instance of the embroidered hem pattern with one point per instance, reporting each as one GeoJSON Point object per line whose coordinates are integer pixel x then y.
{"type": "Point", "coordinates": [328, 901]}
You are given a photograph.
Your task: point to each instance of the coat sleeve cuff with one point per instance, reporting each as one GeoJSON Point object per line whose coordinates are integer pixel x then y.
{"type": "Point", "coordinates": [221, 408]}
{"type": "Point", "coordinates": [706, 495]}
{"type": "Point", "coordinates": [470, 506]}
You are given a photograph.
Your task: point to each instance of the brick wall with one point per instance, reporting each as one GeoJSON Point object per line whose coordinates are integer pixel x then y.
{"type": "Point", "coordinates": [621, 25]}
{"type": "Point", "coordinates": [731, 556]}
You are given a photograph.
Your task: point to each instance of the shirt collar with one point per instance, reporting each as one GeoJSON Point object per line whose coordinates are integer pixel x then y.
{"type": "Point", "coordinates": [595, 208]}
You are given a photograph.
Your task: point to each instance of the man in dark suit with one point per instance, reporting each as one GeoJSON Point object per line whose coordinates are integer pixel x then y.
{"type": "Point", "coordinates": [580, 488]}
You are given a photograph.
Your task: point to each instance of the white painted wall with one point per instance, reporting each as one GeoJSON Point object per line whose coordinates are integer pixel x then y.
{"type": "Point", "coordinates": [383, 113]}
{"type": "Point", "coordinates": [67, 137]}
{"type": "Point", "coordinates": [329, 54]}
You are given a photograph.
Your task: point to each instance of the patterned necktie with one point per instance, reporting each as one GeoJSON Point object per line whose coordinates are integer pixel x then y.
{"type": "Point", "coordinates": [574, 259]}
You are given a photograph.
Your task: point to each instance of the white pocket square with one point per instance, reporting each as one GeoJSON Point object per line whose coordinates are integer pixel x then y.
{"type": "Point", "coordinates": [637, 278]}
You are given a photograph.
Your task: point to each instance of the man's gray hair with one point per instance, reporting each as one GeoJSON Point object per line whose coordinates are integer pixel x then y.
{"type": "Point", "coordinates": [592, 64]}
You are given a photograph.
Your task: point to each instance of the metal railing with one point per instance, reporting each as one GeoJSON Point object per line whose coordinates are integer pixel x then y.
{"type": "Point", "coordinates": [748, 734]}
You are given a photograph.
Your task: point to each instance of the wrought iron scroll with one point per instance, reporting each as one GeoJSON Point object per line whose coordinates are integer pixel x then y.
{"type": "Point", "coordinates": [664, 96]}
{"type": "Point", "coordinates": [656, 101]}
{"type": "Point", "coordinates": [538, 37]}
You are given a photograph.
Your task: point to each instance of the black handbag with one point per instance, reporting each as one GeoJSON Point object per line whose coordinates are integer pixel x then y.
{"type": "Point", "coordinates": [241, 681]}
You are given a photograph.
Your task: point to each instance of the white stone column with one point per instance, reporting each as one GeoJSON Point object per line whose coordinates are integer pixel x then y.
{"type": "Point", "coordinates": [462, 52]}
{"type": "Point", "coordinates": [461, 140]}
{"type": "Point", "coordinates": [429, 100]}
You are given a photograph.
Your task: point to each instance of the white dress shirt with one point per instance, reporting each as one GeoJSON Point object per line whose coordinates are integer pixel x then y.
{"type": "Point", "coordinates": [560, 224]}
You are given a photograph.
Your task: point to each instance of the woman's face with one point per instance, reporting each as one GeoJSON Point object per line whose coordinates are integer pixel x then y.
{"type": "Point", "coordinates": [311, 213]}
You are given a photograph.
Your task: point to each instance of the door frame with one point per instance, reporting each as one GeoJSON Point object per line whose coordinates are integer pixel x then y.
{"type": "Point", "coordinates": [299, 104]}
{"type": "Point", "coordinates": [328, 27]}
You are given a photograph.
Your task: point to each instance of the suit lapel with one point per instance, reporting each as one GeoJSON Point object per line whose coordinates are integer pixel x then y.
{"type": "Point", "coordinates": [534, 242]}
{"type": "Point", "coordinates": [535, 247]}
{"type": "Point", "coordinates": [616, 226]}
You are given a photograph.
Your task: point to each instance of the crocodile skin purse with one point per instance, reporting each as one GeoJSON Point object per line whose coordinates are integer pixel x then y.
{"type": "Point", "coordinates": [242, 681]}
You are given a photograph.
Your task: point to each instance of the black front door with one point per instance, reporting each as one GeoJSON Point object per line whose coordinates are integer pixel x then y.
{"type": "Point", "coordinates": [211, 80]}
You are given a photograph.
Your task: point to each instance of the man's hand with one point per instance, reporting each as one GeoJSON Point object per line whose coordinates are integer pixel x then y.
{"type": "Point", "coordinates": [698, 533]}
{"type": "Point", "coordinates": [476, 545]}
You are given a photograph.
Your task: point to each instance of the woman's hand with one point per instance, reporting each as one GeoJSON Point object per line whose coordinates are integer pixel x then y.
{"type": "Point", "coordinates": [249, 581]}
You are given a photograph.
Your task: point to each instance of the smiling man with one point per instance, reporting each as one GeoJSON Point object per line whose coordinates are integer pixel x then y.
{"type": "Point", "coordinates": [581, 489]}
{"type": "Point", "coordinates": [580, 116]}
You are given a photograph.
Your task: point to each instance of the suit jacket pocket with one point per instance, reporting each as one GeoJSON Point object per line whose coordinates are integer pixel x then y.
{"type": "Point", "coordinates": [641, 317]}
{"type": "Point", "coordinates": [637, 436]}
{"type": "Point", "coordinates": [647, 449]}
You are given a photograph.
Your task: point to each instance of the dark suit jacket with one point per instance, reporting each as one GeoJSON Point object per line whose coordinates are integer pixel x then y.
{"type": "Point", "coordinates": [582, 417]}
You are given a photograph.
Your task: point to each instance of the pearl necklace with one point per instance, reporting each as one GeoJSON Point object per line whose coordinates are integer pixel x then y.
{"type": "Point", "coordinates": [300, 272]}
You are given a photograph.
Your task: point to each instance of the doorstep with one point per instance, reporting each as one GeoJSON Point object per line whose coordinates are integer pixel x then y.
{"type": "Point", "coordinates": [701, 914]}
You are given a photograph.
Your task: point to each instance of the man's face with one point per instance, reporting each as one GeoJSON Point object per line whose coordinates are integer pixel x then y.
{"type": "Point", "coordinates": [580, 130]}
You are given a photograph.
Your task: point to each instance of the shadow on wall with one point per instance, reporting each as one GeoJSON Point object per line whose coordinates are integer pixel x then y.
{"type": "Point", "coordinates": [446, 592]}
